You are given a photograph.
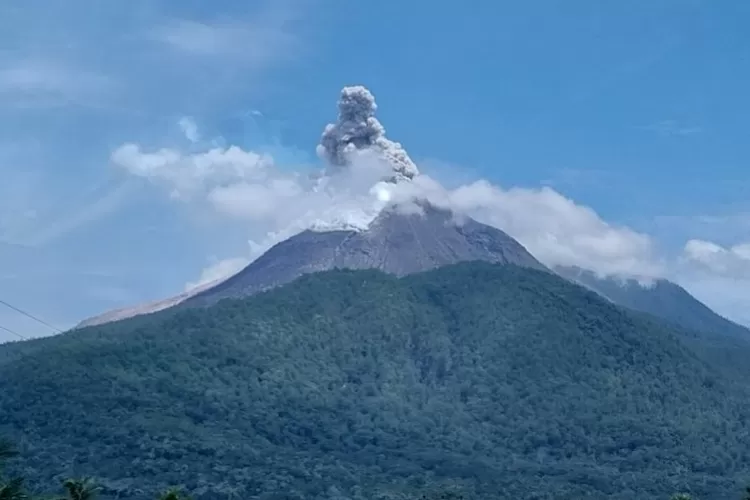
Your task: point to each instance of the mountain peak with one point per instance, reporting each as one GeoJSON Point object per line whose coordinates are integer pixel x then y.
{"type": "Point", "coordinates": [401, 240]}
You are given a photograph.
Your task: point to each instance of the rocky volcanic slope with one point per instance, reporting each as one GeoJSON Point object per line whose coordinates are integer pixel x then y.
{"type": "Point", "coordinates": [396, 242]}
{"type": "Point", "coordinates": [148, 308]}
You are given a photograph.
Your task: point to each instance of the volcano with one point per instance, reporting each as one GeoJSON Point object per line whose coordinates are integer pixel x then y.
{"type": "Point", "coordinates": [399, 241]}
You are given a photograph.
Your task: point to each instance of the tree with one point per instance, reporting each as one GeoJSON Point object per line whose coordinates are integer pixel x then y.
{"type": "Point", "coordinates": [7, 451]}
{"type": "Point", "coordinates": [172, 494]}
{"type": "Point", "coordinates": [80, 489]}
{"type": "Point", "coordinates": [13, 488]}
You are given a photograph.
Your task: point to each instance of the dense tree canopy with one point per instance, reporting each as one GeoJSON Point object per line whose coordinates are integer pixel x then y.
{"type": "Point", "coordinates": [487, 381]}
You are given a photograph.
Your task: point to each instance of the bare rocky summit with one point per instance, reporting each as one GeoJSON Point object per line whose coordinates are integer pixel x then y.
{"type": "Point", "coordinates": [397, 242]}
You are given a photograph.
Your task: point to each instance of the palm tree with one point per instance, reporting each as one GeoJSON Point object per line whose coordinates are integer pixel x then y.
{"type": "Point", "coordinates": [11, 489]}
{"type": "Point", "coordinates": [80, 489]}
{"type": "Point", "coordinates": [171, 494]}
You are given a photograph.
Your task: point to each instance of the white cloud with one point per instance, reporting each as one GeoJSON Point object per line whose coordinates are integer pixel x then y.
{"type": "Point", "coordinates": [256, 43]}
{"type": "Point", "coordinates": [672, 128]}
{"type": "Point", "coordinates": [731, 262]}
{"type": "Point", "coordinates": [217, 271]}
{"type": "Point", "coordinates": [250, 186]}
{"type": "Point", "coordinates": [54, 82]}
{"type": "Point", "coordinates": [188, 175]}
{"type": "Point", "coordinates": [559, 231]}
{"type": "Point", "coordinates": [254, 201]}
{"type": "Point", "coordinates": [554, 228]}
{"type": "Point", "coordinates": [276, 204]}
{"type": "Point", "coordinates": [189, 128]}
{"type": "Point", "coordinates": [717, 275]}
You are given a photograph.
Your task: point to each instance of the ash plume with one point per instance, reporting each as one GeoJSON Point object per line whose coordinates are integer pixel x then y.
{"type": "Point", "coordinates": [357, 130]}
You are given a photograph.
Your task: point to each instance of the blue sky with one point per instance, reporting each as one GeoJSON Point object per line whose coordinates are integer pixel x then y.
{"type": "Point", "coordinates": [632, 114]}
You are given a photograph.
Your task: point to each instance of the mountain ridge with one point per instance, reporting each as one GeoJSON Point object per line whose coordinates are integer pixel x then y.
{"type": "Point", "coordinates": [321, 251]}
{"type": "Point", "coordinates": [662, 298]}
{"type": "Point", "coordinates": [143, 309]}
{"type": "Point", "coordinates": [398, 242]}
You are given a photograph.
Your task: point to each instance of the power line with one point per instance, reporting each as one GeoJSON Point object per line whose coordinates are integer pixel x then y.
{"type": "Point", "coordinates": [13, 332]}
{"type": "Point", "coordinates": [41, 321]}
{"type": "Point", "coordinates": [29, 315]}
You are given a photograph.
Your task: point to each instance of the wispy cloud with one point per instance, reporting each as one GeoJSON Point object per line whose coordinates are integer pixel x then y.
{"type": "Point", "coordinates": [31, 224]}
{"type": "Point", "coordinates": [218, 270]}
{"type": "Point", "coordinates": [723, 227]}
{"type": "Point", "coordinates": [566, 178]}
{"type": "Point", "coordinates": [731, 261]}
{"type": "Point", "coordinates": [41, 81]}
{"type": "Point", "coordinates": [672, 128]}
{"type": "Point", "coordinates": [67, 222]}
{"type": "Point", "coordinates": [189, 128]}
{"type": "Point", "coordinates": [249, 43]}
{"type": "Point", "coordinates": [257, 42]}
{"type": "Point", "coordinates": [718, 275]}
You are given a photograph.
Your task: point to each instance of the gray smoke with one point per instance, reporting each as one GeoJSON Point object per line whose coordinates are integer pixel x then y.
{"type": "Point", "coordinates": [357, 130]}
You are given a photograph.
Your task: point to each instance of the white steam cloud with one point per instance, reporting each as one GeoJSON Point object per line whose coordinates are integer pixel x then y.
{"type": "Point", "coordinates": [366, 172]}
{"type": "Point", "coordinates": [217, 272]}
{"type": "Point", "coordinates": [357, 130]}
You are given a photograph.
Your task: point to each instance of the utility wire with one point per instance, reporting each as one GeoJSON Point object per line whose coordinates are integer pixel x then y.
{"type": "Point", "coordinates": [29, 315]}
{"type": "Point", "coordinates": [13, 332]}
{"type": "Point", "coordinates": [55, 329]}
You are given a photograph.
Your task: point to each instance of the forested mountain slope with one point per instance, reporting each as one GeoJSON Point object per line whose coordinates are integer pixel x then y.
{"type": "Point", "coordinates": [663, 299]}
{"type": "Point", "coordinates": [502, 381]}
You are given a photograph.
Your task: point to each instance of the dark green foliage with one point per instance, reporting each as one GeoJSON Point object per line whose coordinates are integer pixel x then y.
{"type": "Point", "coordinates": [662, 299]}
{"type": "Point", "coordinates": [13, 489]}
{"type": "Point", "coordinates": [80, 489]}
{"type": "Point", "coordinates": [6, 451]}
{"type": "Point", "coordinates": [10, 488]}
{"type": "Point", "coordinates": [172, 494]}
{"type": "Point", "coordinates": [485, 381]}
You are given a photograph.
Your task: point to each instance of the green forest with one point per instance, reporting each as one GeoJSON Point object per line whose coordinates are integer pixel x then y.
{"type": "Point", "coordinates": [474, 380]}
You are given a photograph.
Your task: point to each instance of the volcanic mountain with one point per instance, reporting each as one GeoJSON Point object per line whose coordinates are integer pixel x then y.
{"type": "Point", "coordinates": [662, 298]}
{"type": "Point", "coordinates": [398, 242]}
{"type": "Point", "coordinates": [402, 242]}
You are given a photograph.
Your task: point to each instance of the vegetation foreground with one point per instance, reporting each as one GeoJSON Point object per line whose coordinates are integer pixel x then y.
{"type": "Point", "coordinates": [480, 380]}
{"type": "Point", "coordinates": [85, 489]}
